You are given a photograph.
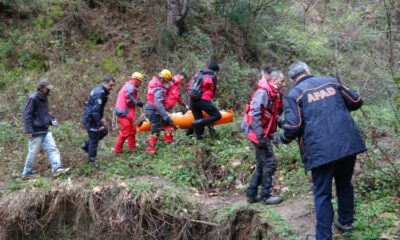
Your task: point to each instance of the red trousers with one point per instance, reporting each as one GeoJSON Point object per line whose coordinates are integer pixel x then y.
{"type": "Point", "coordinates": [127, 130]}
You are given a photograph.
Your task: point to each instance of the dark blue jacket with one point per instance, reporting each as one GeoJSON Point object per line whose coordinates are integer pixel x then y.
{"type": "Point", "coordinates": [317, 112]}
{"type": "Point", "coordinates": [94, 109]}
{"type": "Point", "coordinates": [36, 114]}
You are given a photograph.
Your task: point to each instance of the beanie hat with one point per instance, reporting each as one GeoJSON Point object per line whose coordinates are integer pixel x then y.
{"type": "Point", "coordinates": [213, 66]}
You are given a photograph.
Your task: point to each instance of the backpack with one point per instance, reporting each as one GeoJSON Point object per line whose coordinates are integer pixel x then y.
{"type": "Point", "coordinates": [195, 91]}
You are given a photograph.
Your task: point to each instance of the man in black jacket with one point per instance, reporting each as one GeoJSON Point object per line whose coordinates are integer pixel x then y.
{"type": "Point", "coordinates": [317, 112]}
{"type": "Point", "coordinates": [36, 118]}
{"type": "Point", "coordinates": [93, 120]}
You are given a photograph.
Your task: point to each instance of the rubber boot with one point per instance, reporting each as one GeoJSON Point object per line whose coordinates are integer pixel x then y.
{"type": "Point", "coordinates": [132, 143]}
{"type": "Point", "coordinates": [151, 144]}
{"type": "Point", "coordinates": [119, 144]}
{"type": "Point", "coordinates": [168, 137]}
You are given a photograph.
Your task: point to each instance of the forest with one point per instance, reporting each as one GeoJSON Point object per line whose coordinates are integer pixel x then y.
{"type": "Point", "coordinates": [191, 189]}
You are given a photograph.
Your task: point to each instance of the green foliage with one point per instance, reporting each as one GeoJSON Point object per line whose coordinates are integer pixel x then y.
{"type": "Point", "coordinates": [6, 49]}
{"type": "Point", "coordinates": [235, 84]}
{"type": "Point", "coordinates": [166, 40]}
{"type": "Point", "coordinates": [42, 22]}
{"type": "Point", "coordinates": [32, 59]}
{"type": "Point", "coordinates": [120, 49]}
{"type": "Point", "coordinates": [376, 216]}
{"type": "Point", "coordinates": [109, 65]}
{"type": "Point", "coordinates": [56, 12]}
{"type": "Point", "coordinates": [8, 133]}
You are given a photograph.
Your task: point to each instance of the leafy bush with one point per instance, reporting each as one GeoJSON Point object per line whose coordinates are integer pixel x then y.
{"type": "Point", "coordinates": [109, 65]}
{"type": "Point", "coordinates": [6, 49]}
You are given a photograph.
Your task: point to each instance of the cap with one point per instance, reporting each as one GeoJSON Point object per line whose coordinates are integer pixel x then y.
{"type": "Point", "coordinates": [108, 78]}
{"type": "Point", "coordinates": [213, 66]}
{"type": "Point", "coordinates": [296, 68]}
{"type": "Point", "coordinates": [44, 82]}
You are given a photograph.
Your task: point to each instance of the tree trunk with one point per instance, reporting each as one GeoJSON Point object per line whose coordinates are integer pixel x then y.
{"type": "Point", "coordinates": [176, 13]}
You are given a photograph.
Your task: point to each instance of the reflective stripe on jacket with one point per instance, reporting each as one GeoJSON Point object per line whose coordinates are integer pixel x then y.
{"type": "Point", "coordinates": [156, 93]}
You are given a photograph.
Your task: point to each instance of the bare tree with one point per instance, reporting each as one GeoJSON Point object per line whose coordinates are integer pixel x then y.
{"type": "Point", "coordinates": [176, 12]}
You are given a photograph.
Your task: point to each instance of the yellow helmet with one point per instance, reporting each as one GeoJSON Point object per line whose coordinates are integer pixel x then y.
{"type": "Point", "coordinates": [166, 74]}
{"type": "Point", "coordinates": [138, 76]}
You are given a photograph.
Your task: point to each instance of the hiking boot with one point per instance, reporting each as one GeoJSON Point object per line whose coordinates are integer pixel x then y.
{"type": "Point", "coordinates": [344, 227]}
{"type": "Point", "coordinates": [95, 165]}
{"type": "Point", "coordinates": [83, 146]}
{"type": "Point", "coordinates": [60, 171]}
{"type": "Point", "coordinates": [253, 199]}
{"type": "Point", "coordinates": [272, 200]}
{"type": "Point", "coordinates": [151, 144]}
{"type": "Point", "coordinates": [28, 176]}
{"type": "Point", "coordinates": [199, 137]}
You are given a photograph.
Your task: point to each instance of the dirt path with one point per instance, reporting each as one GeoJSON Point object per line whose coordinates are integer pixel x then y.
{"type": "Point", "coordinates": [297, 211]}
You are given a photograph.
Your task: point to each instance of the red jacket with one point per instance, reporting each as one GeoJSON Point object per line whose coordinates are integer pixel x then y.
{"type": "Point", "coordinates": [173, 95]}
{"type": "Point", "coordinates": [156, 82]}
{"type": "Point", "coordinates": [209, 84]}
{"type": "Point", "coordinates": [261, 114]}
{"type": "Point", "coordinates": [127, 100]}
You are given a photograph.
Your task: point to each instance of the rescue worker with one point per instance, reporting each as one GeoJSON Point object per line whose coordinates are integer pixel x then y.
{"type": "Point", "coordinates": [317, 113]}
{"type": "Point", "coordinates": [157, 90]}
{"type": "Point", "coordinates": [173, 97]}
{"type": "Point", "coordinates": [37, 119]}
{"type": "Point", "coordinates": [93, 117]}
{"type": "Point", "coordinates": [266, 71]}
{"type": "Point", "coordinates": [127, 100]}
{"type": "Point", "coordinates": [208, 88]}
{"type": "Point", "coordinates": [259, 125]}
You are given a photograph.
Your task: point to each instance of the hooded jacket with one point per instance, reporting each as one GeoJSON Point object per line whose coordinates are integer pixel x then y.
{"type": "Point", "coordinates": [261, 115]}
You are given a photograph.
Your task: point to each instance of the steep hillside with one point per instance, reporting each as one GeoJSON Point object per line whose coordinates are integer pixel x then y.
{"type": "Point", "coordinates": [191, 189]}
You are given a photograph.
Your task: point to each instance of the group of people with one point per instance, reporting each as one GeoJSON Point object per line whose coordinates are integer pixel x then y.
{"type": "Point", "coordinates": [316, 113]}
{"type": "Point", "coordinates": [163, 92]}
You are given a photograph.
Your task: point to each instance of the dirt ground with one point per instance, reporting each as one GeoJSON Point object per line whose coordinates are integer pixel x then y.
{"type": "Point", "coordinates": [297, 211]}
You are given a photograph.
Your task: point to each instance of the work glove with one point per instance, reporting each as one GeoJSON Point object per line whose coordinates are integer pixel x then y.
{"type": "Point", "coordinates": [168, 121]}
{"type": "Point", "coordinates": [277, 139]}
{"type": "Point", "coordinates": [139, 103]}
{"type": "Point", "coordinates": [282, 138]}
{"type": "Point", "coordinates": [54, 122]}
{"type": "Point", "coordinates": [262, 142]}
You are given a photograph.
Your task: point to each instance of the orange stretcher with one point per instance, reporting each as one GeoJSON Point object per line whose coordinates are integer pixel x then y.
{"type": "Point", "coordinates": [184, 121]}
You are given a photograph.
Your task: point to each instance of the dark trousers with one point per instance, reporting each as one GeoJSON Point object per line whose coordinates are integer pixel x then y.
{"type": "Point", "coordinates": [93, 141]}
{"type": "Point", "coordinates": [262, 175]}
{"type": "Point", "coordinates": [156, 121]}
{"type": "Point", "coordinates": [342, 171]}
{"type": "Point", "coordinates": [198, 107]}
